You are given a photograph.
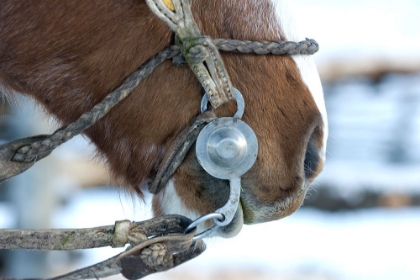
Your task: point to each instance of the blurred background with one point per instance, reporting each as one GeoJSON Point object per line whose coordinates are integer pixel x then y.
{"type": "Point", "coordinates": [361, 219]}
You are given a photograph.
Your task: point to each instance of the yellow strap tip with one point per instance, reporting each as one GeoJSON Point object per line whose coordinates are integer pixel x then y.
{"type": "Point", "coordinates": [169, 4]}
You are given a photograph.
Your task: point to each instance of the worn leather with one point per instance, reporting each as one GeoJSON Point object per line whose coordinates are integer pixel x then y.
{"type": "Point", "coordinates": [10, 168]}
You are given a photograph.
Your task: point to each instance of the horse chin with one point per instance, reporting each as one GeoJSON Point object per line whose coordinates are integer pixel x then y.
{"type": "Point", "coordinates": [169, 202]}
{"type": "Point", "coordinates": [232, 229]}
{"type": "Point", "coordinates": [256, 211]}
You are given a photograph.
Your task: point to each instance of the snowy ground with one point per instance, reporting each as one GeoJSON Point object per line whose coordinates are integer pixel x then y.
{"type": "Point", "coordinates": [375, 244]}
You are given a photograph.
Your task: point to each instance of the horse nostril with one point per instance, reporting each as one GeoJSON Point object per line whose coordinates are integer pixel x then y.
{"type": "Point", "coordinates": [312, 159]}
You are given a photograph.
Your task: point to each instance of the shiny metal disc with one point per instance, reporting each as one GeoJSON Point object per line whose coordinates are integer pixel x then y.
{"type": "Point", "coordinates": [227, 148]}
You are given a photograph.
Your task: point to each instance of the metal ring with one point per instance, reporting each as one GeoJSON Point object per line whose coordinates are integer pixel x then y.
{"type": "Point", "coordinates": [240, 103]}
{"type": "Point", "coordinates": [203, 219]}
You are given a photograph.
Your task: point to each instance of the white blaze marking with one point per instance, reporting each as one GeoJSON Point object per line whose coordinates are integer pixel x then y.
{"type": "Point", "coordinates": [171, 203]}
{"type": "Point", "coordinates": [288, 20]}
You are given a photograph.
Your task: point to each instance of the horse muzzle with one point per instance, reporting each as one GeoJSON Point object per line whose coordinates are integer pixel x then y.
{"type": "Point", "coordinates": [257, 211]}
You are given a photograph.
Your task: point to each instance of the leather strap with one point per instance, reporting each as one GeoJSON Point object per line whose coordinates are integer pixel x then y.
{"type": "Point", "coordinates": [200, 52]}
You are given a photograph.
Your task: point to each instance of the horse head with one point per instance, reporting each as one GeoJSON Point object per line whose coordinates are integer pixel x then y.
{"type": "Point", "coordinates": [284, 106]}
{"type": "Point", "coordinates": [69, 55]}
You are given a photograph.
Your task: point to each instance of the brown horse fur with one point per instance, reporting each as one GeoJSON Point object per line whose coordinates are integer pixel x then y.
{"type": "Point", "coordinates": [69, 55]}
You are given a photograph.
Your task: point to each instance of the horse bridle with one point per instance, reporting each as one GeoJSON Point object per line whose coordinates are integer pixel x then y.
{"type": "Point", "coordinates": [226, 147]}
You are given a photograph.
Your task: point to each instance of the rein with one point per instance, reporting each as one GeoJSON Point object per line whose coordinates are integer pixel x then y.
{"type": "Point", "coordinates": [164, 242]}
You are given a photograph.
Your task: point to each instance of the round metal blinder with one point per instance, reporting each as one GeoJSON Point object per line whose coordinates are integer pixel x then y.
{"type": "Point", "coordinates": [227, 147]}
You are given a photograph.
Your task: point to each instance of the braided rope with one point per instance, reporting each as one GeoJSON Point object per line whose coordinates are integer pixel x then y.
{"type": "Point", "coordinates": [307, 47]}
{"type": "Point", "coordinates": [30, 153]}
{"type": "Point", "coordinates": [157, 244]}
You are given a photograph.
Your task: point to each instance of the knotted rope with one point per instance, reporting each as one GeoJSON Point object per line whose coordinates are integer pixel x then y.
{"type": "Point", "coordinates": [157, 245]}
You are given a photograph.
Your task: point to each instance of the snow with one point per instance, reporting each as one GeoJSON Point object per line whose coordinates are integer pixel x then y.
{"type": "Point", "coordinates": [374, 137]}
{"type": "Point", "coordinates": [7, 215]}
{"type": "Point", "coordinates": [362, 28]}
{"type": "Point", "coordinates": [361, 245]}
{"type": "Point", "coordinates": [368, 244]}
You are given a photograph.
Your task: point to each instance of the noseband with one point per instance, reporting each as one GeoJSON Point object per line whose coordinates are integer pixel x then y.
{"type": "Point", "coordinates": [226, 147]}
